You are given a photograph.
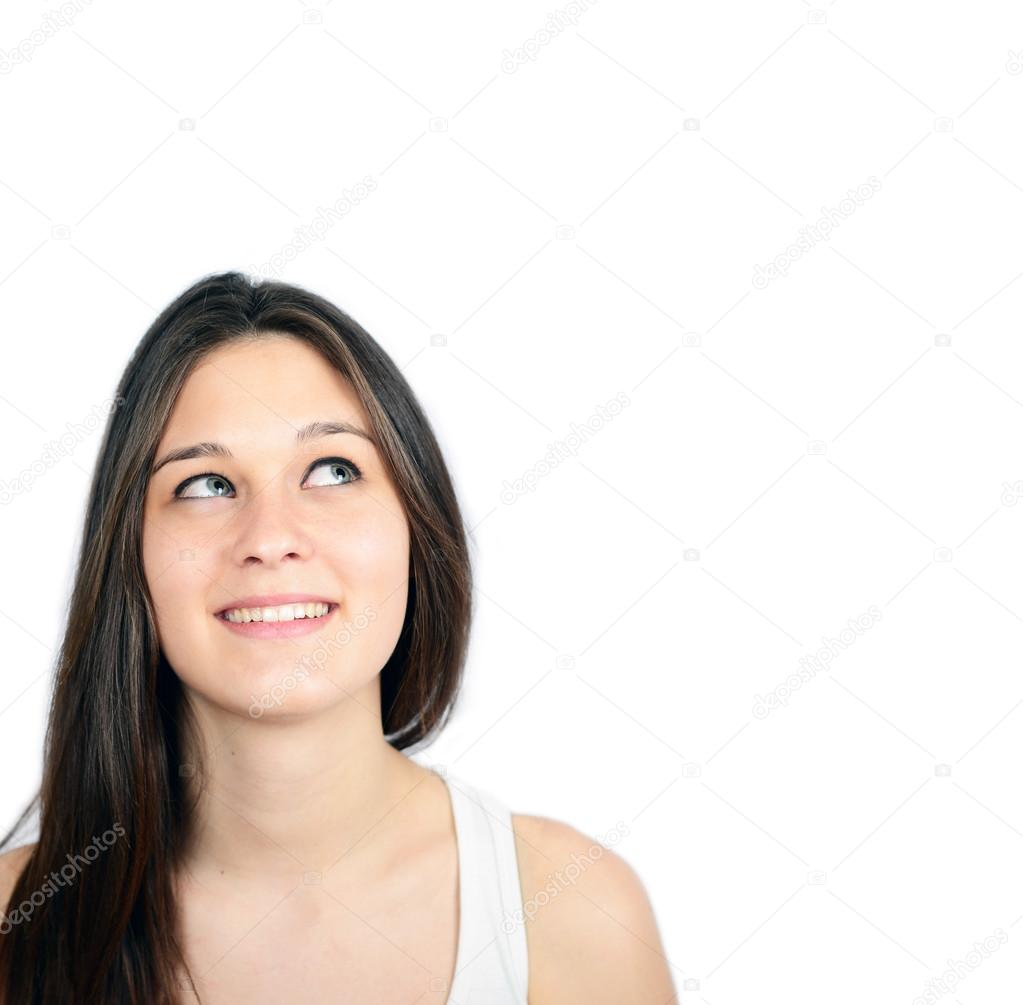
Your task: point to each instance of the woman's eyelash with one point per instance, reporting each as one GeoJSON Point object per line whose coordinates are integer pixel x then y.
{"type": "Point", "coordinates": [356, 475]}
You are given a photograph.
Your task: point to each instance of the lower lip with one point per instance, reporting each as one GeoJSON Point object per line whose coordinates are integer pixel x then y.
{"type": "Point", "coordinates": [277, 629]}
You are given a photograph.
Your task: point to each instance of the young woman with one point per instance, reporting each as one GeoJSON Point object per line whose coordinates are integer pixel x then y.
{"type": "Point", "coordinates": [270, 611]}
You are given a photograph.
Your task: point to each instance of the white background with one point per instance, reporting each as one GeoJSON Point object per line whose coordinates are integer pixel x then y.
{"type": "Point", "coordinates": [543, 234]}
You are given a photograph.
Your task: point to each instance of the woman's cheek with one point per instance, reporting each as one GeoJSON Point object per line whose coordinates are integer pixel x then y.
{"type": "Point", "coordinates": [369, 549]}
{"type": "Point", "coordinates": [373, 564]}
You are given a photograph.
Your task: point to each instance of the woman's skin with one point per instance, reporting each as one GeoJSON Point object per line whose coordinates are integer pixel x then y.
{"type": "Point", "coordinates": [324, 862]}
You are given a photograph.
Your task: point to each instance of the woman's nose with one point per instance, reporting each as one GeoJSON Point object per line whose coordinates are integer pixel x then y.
{"type": "Point", "coordinates": [268, 531]}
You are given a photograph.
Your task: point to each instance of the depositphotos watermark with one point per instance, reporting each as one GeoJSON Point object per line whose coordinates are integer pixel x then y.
{"type": "Point", "coordinates": [56, 450]}
{"type": "Point", "coordinates": [566, 447]}
{"type": "Point", "coordinates": [554, 26]}
{"type": "Point", "coordinates": [64, 877]}
{"type": "Point", "coordinates": [809, 237]}
{"type": "Point", "coordinates": [959, 970]}
{"type": "Point", "coordinates": [563, 878]}
{"type": "Point", "coordinates": [812, 665]}
{"type": "Point", "coordinates": [316, 229]}
{"type": "Point", "coordinates": [274, 696]}
{"type": "Point", "coordinates": [53, 21]}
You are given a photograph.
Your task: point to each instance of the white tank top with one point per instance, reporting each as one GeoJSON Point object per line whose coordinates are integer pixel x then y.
{"type": "Point", "coordinates": [491, 966]}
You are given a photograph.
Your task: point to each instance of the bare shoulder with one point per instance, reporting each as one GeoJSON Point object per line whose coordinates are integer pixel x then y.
{"type": "Point", "coordinates": [591, 934]}
{"type": "Point", "coordinates": [11, 864]}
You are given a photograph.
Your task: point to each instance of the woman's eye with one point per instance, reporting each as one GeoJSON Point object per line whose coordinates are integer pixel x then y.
{"type": "Point", "coordinates": [335, 472]}
{"type": "Point", "coordinates": [215, 485]}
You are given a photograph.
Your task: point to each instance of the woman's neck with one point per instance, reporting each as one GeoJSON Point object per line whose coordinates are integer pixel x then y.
{"type": "Point", "coordinates": [287, 797]}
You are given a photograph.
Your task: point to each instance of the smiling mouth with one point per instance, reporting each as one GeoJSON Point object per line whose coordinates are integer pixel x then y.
{"type": "Point", "coordinates": [277, 613]}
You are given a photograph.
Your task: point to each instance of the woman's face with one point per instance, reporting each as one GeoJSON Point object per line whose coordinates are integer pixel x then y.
{"type": "Point", "coordinates": [270, 513]}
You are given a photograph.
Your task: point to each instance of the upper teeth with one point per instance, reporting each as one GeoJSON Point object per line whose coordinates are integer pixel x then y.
{"type": "Point", "coordinates": [284, 612]}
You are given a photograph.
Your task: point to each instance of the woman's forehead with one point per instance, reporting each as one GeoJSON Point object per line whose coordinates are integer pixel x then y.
{"type": "Point", "coordinates": [276, 384]}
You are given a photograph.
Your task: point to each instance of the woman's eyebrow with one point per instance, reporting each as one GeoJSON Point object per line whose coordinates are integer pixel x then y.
{"type": "Point", "coordinates": [313, 431]}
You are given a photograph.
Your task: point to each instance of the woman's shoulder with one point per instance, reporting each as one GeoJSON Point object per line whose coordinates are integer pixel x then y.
{"type": "Point", "coordinates": [581, 900]}
{"type": "Point", "coordinates": [11, 864]}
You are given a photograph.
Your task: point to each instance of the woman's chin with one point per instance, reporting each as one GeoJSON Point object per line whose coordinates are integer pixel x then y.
{"type": "Point", "coordinates": [270, 695]}
{"type": "Point", "coordinates": [292, 696]}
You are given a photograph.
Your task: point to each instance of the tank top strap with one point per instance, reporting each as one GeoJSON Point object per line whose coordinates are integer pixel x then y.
{"type": "Point", "coordinates": [492, 966]}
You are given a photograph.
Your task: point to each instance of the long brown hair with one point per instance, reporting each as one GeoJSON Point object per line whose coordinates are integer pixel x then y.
{"type": "Point", "coordinates": [118, 716]}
